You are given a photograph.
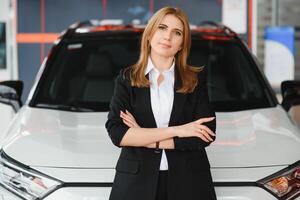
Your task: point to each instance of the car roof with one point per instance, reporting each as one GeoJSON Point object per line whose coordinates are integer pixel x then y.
{"type": "Point", "coordinates": [207, 30]}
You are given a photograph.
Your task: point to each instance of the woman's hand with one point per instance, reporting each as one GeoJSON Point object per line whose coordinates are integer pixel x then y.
{"type": "Point", "coordinates": [196, 129]}
{"type": "Point", "coordinates": [128, 119]}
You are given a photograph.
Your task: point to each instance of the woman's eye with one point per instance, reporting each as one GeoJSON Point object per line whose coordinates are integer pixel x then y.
{"type": "Point", "coordinates": [162, 27]}
{"type": "Point", "coordinates": [178, 33]}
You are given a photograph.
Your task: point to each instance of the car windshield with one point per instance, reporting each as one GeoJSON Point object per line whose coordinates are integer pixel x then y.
{"type": "Point", "coordinates": [82, 73]}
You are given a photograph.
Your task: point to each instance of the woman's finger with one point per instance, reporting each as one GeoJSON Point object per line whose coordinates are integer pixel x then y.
{"type": "Point", "coordinates": [130, 123]}
{"type": "Point", "coordinates": [206, 135]}
{"type": "Point", "coordinates": [199, 126]}
{"type": "Point", "coordinates": [129, 119]}
{"type": "Point", "coordinates": [206, 119]}
{"type": "Point", "coordinates": [127, 112]}
{"type": "Point", "coordinates": [125, 116]}
{"type": "Point", "coordinates": [202, 138]}
{"type": "Point", "coordinates": [127, 123]}
{"type": "Point", "coordinates": [207, 130]}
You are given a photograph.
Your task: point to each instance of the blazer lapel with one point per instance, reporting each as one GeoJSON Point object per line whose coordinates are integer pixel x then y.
{"type": "Point", "coordinates": [178, 102]}
{"type": "Point", "coordinates": [145, 100]}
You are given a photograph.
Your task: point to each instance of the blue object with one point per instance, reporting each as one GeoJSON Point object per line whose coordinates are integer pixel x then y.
{"type": "Point", "coordinates": [283, 35]}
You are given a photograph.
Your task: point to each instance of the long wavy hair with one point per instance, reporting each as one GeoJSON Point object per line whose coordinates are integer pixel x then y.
{"type": "Point", "coordinates": [187, 74]}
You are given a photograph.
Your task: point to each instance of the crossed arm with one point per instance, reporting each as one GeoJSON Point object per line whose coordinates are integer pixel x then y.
{"type": "Point", "coordinates": [124, 131]}
{"type": "Point", "coordinates": [147, 137]}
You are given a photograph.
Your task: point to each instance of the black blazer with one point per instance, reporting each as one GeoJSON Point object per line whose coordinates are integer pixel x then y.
{"type": "Point", "coordinates": [189, 176]}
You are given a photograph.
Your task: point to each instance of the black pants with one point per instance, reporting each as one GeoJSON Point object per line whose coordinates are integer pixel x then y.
{"type": "Point", "coordinates": [161, 193]}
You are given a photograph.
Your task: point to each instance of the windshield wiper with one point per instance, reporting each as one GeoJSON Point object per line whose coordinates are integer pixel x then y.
{"type": "Point", "coordinates": [67, 107]}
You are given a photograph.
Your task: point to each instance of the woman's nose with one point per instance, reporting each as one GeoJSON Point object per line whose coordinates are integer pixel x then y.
{"type": "Point", "coordinates": [167, 35]}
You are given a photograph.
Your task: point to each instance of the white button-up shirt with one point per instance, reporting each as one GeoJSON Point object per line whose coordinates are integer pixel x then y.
{"type": "Point", "coordinates": [162, 97]}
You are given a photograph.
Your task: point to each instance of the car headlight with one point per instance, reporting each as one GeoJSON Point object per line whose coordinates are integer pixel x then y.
{"type": "Point", "coordinates": [24, 181]}
{"type": "Point", "coordinates": [284, 184]}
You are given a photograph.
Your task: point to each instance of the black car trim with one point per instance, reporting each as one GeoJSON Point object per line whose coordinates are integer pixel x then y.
{"type": "Point", "coordinates": [269, 91]}
{"type": "Point", "coordinates": [235, 184]}
{"type": "Point", "coordinates": [53, 52]}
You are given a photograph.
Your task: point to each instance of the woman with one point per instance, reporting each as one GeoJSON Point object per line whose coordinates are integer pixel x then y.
{"type": "Point", "coordinates": [161, 118]}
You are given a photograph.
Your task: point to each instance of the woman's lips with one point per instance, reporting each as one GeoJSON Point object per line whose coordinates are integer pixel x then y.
{"type": "Point", "coordinates": [165, 45]}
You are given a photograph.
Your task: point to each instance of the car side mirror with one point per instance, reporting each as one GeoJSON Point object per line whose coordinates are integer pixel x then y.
{"type": "Point", "coordinates": [290, 91]}
{"type": "Point", "coordinates": [10, 93]}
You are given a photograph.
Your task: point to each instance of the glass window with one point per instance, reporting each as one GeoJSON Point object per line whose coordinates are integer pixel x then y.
{"type": "Point", "coordinates": [233, 80]}
{"type": "Point", "coordinates": [82, 73]}
{"type": "Point", "coordinates": [2, 46]}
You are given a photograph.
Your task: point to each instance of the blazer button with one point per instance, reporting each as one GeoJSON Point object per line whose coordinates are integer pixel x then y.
{"type": "Point", "coordinates": [156, 151]}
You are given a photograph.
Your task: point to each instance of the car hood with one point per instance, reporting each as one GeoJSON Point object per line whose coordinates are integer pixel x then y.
{"type": "Point", "coordinates": [255, 138]}
{"type": "Point", "coordinates": [51, 138]}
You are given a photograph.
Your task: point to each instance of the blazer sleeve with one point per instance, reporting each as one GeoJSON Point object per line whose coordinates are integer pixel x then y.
{"type": "Point", "coordinates": [203, 109]}
{"type": "Point", "coordinates": [119, 101]}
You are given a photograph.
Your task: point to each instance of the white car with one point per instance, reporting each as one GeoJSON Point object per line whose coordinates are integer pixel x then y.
{"type": "Point", "coordinates": [57, 147]}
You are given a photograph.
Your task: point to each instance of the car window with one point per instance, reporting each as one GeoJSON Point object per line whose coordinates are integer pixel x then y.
{"type": "Point", "coordinates": [81, 77]}
{"type": "Point", "coordinates": [234, 82]}
{"type": "Point", "coordinates": [83, 73]}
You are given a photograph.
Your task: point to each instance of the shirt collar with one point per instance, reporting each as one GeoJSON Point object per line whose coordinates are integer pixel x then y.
{"type": "Point", "coordinates": [151, 66]}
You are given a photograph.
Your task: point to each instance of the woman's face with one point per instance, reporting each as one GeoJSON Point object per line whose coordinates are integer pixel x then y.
{"type": "Point", "coordinates": [168, 38]}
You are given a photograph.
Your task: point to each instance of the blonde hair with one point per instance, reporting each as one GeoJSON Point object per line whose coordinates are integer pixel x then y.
{"type": "Point", "coordinates": [187, 74]}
